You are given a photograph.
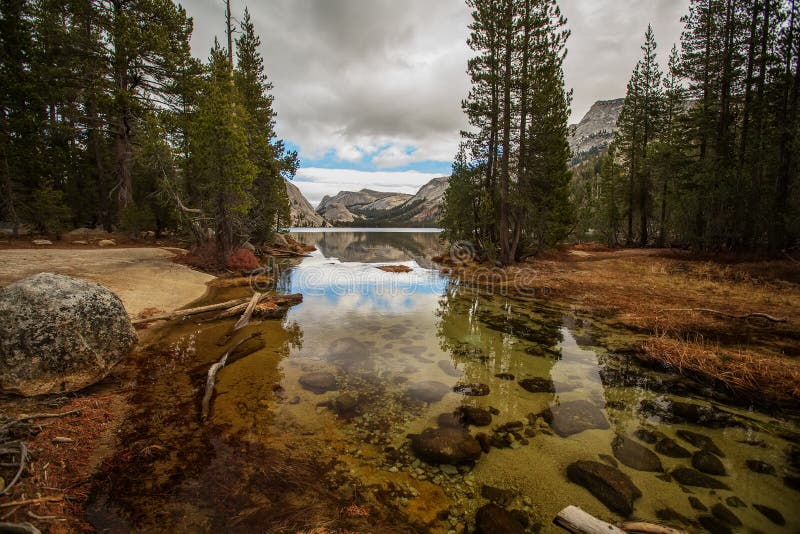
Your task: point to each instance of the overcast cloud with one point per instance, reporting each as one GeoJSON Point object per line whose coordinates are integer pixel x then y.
{"type": "Point", "coordinates": [371, 87]}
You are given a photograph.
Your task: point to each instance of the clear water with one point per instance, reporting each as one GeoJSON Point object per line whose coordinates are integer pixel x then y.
{"type": "Point", "coordinates": [278, 457]}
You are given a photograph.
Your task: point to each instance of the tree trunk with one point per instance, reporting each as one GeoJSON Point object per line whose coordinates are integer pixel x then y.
{"type": "Point", "coordinates": [506, 254]}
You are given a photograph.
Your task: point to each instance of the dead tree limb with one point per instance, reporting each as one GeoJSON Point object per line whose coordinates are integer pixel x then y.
{"type": "Point", "coordinates": [188, 312]}
{"type": "Point", "coordinates": [38, 500]}
{"type": "Point", "coordinates": [248, 312]}
{"type": "Point", "coordinates": [743, 316]}
{"type": "Point", "coordinates": [19, 528]}
{"type": "Point", "coordinates": [212, 375]}
{"type": "Point", "coordinates": [575, 520]}
{"type": "Point", "coordinates": [23, 457]}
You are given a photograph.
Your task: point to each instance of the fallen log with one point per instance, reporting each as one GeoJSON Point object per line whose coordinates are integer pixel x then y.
{"type": "Point", "coordinates": [18, 528]}
{"type": "Point", "coordinates": [188, 312]}
{"type": "Point", "coordinates": [743, 316]}
{"type": "Point", "coordinates": [248, 312]}
{"type": "Point", "coordinates": [212, 375]}
{"type": "Point", "coordinates": [575, 520]}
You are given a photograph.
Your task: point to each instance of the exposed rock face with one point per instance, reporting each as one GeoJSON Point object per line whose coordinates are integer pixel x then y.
{"type": "Point", "coordinates": [59, 334]}
{"type": "Point", "coordinates": [301, 211]}
{"type": "Point", "coordinates": [454, 446]}
{"type": "Point", "coordinates": [596, 129]}
{"type": "Point", "coordinates": [610, 485]}
{"type": "Point", "coordinates": [381, 208]}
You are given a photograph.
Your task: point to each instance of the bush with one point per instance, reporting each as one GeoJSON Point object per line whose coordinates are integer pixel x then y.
{"type": "Point", "coordinates": [48, 210]}
{"type": "Point", "coordinates": [242, 259]}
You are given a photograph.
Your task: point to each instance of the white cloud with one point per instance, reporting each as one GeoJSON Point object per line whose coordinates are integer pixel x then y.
{"type": "Point", "coordinates": [315, 183]}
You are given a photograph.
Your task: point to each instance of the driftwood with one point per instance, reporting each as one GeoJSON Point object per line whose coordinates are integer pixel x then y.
{"type": "Point", "coordinates": [188, 312]}
{"type": "Point", "coordinates": [18, 528]}
{"type": "Point", "coordinates": [229, 308]}
{"type": "Point", "coordinates": [22, 450]}
{"type": "Point", "coordinates": [212, 375]}
{"type": "Point", "coordinates": [729, 315]}
{"type": "Point", "coordinates": [248, 312]}
{"type": "Point", "coordinates": [575, 520]}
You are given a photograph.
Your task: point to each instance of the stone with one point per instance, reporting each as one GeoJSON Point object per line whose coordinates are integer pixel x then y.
{"type": "Point", "coordinates": [609, 460]}
{"type": "Point", "coordinates": [634, 455]}
{"type": "Point", "coordinates": [80, 242]}
{"type": "Point", "coordinates": [41, 242]}
{"type": "Point", "coordinates": [648, 436]}
{"type": "Point", "coordinates": [573, 417]}
{"type": "Point", "coordinates": [448, 469]}
{"type": "Point", "coordinates": [792, 482]}
{"type": "Point", "coordinates": [106, 243]}
{"type": "Point", "coordinates": [505, 376]}
{"type": "Point", "coordinates": [59, 334]}
{"type": "Point", "coordinates": [428, 391]}
{"type": "Point", "coordinates": [472, 390]}
{"type": "Point", "coordinates": [538, 385]}
{"type": "Point", "coordinates": [723, 513]}
{"type": "Point", "coordinates": [670, 515]}
{"type": "Point", "coordinates": [686, 412]}
{"type": "Point", "coordinates": [450, 420]}
{"type": "Point", "coordinates": [708, 463]}
{"type": "Point", "coordinates": [472, 415]}
{"type": "Point", "coordinates": [492, 519]}
{"type": "Point", "coordinates": [484, 441]}
{"type": "Point", "coordinates": [735, 502]}
{"type": "Point", "coordinates": [697, 504]}
{"type": "Point", "coordinates": [700, 441]}
{"type": "Point", "coordinates": [669, 447]}
{"type": "Point", "coordinates": [757, 466]}
{"type": "Point", "coordinates": [448, 368]}
{"type": "Point", "coordinates": [714, 525]}
{"type": "Point", "coordinates": [345, 403]}
{"type": "Point", "coordinates": [691, 477]}
{"type": "Point", "coordinates": [611, 486]}
{"type": "Point", "coordinates": [453, 446]}
{"type": "Point", "coordinates": [771, 513]}
{"type": "Point", "coordinates": [500, 496]}
{"type": "Point", "coordinates": [348, 353]}
{"type": "Point", "coordinates": [318, 382]}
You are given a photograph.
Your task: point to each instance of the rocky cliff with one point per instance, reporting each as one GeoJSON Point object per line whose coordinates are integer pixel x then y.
{"type": "Point", "coordinates": [595, 131]}
{"type": "Point", "coordinates": [302, 212]}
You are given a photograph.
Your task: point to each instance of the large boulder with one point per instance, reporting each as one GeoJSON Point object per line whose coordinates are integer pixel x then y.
{"type": "Point", "coordinates": [59, 334]}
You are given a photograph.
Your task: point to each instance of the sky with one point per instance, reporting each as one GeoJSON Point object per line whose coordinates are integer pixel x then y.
{"type": "Point", "coordinates": [369, 91]}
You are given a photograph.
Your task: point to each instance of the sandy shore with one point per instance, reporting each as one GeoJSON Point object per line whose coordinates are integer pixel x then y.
{"type": "Point", "coordinates": [142, 277]}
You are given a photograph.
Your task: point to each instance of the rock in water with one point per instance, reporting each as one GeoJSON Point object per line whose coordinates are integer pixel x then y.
{"type": "Point", "coordinates": [610, 485]}
{"type": "Point", "coordinates": [691, 477]}
{"type": "Point", "coordinates": [668, 447]}
{"type": "Point", "coordinates": [472, 390]}
{"type": "Point", "coordinates": [708, 463]}
{"type": "Point", "coordinates": [319, 382]}
{"type": "Point", "coordinates": [722, 513]}
{"type": "Point", "coordinates": [491, 519]}
{"type": "Point", "coordinates": [454, 446]}
{"type": "Point", "coordinates": [634, 455]}
{"type": "Point", "coordinates": [472, 415]}
{"type": "Point", "coordinates": [428, 391]}
{"type": "Point", "coordinates": [60, 334]}
{"type": "Point", "coordinates": [573, 417]}
{"type": "Point", "coordinates": [700, 441]}
{"type": "Point", "coordinates": [757, 466]}
{"type": "Point", "coordinates": [771, 513]}
{"type": "Point", "coordinates": [538, 385]}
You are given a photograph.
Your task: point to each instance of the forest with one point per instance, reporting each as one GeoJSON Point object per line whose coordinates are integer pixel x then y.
{"type": "Point", "coordinates": [705, 156]}
{"type": "Point", "coordinates": [106, 120]}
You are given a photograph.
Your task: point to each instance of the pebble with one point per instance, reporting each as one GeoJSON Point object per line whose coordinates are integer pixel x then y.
{"type": "Point", "coordinates": [448, 469]}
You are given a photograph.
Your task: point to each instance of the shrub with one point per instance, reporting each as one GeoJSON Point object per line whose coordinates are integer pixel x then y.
{"type": "Point", "coordinates": [242, 259]}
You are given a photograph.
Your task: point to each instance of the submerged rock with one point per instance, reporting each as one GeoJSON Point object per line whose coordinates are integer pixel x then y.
{"type": "Point", "coordinates": [668, 447]}
{"type": "Point", "coordinates": [672, 411]}
{"type": "Point", "coordinates": [345, 403]}
{"type": "Point", "coordinates": [735, 502]}
{"type": "Point", "coordinates": [634, 455]}
{"type": "Point", "coordinates": [714, 525]}
{"type": "Point", "coordinates": [318, 382]}
{"type": "Point", "coordinates": [428, 391]}
{"type": "Point", "coordinates": [448, 368]}
{"type": "Point", "coordinates": [472, 390]}
{"type": "Point", "coordinates": [700, 441]}
{"type": "Point", "coordinates": [538, 385]}
{"type": "Point", "coordinates": [501, 496]}
{"type": "Point", "coordinates": [771, 513]}
{"type": "Point", "coordinates": [691, 477]}
{"type": "Point", "coordinates": [708, 463]}
{"type": "Point", "coordinates": [505, 376]}
{"type": "Point", "coordinates": [573, 417]}
{"type": "Point", "coordinates": [724, 514]}
{"type": "Point", "coordinates": [697, 504]}
{"type": "Point", "coordinates": [453, 446]}
{"type": "Point", "coordinates": [611, 486]}
{"type": "Point", "coordinates": [349, 353]}
{"type": "Point", "coordinates": [60, 334]}
{"type": "Point", "coordinates": [450, 420]}
{"type": "Point", "coordinates": [758, 466]}
{"type": "Point", "coordinates": [472, 415]}
{"type": "Point", "coordinates": [648, 436]}
{"type": "Point", "coordinates": [492, 519]}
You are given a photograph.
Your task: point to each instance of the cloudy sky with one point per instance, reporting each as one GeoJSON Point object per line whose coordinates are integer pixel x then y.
{"type": "Point", "coordinates": [369, 91]}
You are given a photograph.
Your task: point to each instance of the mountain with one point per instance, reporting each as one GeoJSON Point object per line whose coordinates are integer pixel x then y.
{"type": "Point", "coordinates": [595, 131]}
{"type": "Point", "coordinates": [301, 211]}
{"type": "Point", "coordinates": [380, 208]}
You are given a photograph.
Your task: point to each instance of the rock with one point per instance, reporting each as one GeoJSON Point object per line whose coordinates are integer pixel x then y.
{"type": "Point", "coordinates": [80, 242]}
{"type": "Point", "coordinates": [472, 415]}
{"type": "Point", "coordinates": [446, 446]}
{"type": "Point", "coordinates": [500, 496]}
{"type": "Point", "coordinates": [714, 525]}
{"type": "Point", "coordinates": [573, 417]}
{"type": "Point", "coordinates": [634, 455]}
{"type": "Point", "coordinates": [485, 441]}
{"type": "Point", "coordinates": [700, 441]}
{"type": "Point", "coordinates": [610, 485]}
{"type": "Point", "coordinates": [59, 334]}
{"type": "Point", "coordinates": [106, 243]}
{"type": "Point", "coordinates": [648, 436]}
{"type": "Point", "coordinates": [41, 242]}
{"type": "Point", "coordinates": [685, 412]}
{"type": "Point", "coordinates": [345, 403]}
{"type": "Point", "coordinates": [448, 469]}
{"type": "Point", "coordinates": [668, 447]}
{"type": "Point", "coordinates": [538, 385]}
{"type": "Point", "coordinates": [318, 382]}
{"type": "Point", "coordinates": [279, 241]}
{"type": "Point", "coordinates": [608, 459]}
{"type": "Point", "coordinates": [771, 513]}
{"type": "Point", "coordinates": [472, 390]}
{"type": "Point", "coordinates": [691, 477]}
{"type": "Point", "coordinates": [449, 369]}
{"type": "Point", "coordinates": [450, 420]}
{"type": "Point", "coordinates": [722, 513]}
{"type": "Point", "coordinates": [505, 376]}
{"type": "Point", "coordinates": [428, 391]}
{"type": "Point", "coordinates": [491, 519]}
{"type": "Point", "coordinates": [735, 502]}
{"type": "Point", "coordinates": [792, 482]}
{"type": "Point", "coordinates": [348, 353]}
{"type": "Point", "coordinates": [708, 463]}
{"type": "Point", "coordinates": [670, 515]}
{"type": "Point", "coordinates": [757, 466]}
{"type": "Point", "coordinates": [697, 504]}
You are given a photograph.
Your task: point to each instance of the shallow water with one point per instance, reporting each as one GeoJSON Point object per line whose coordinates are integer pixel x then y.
{"type": "Point", "coordinates": [276, 456]}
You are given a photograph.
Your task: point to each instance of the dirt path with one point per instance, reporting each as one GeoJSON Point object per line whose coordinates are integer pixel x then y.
{"type": "Point", "coordinates": [142, 277]}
